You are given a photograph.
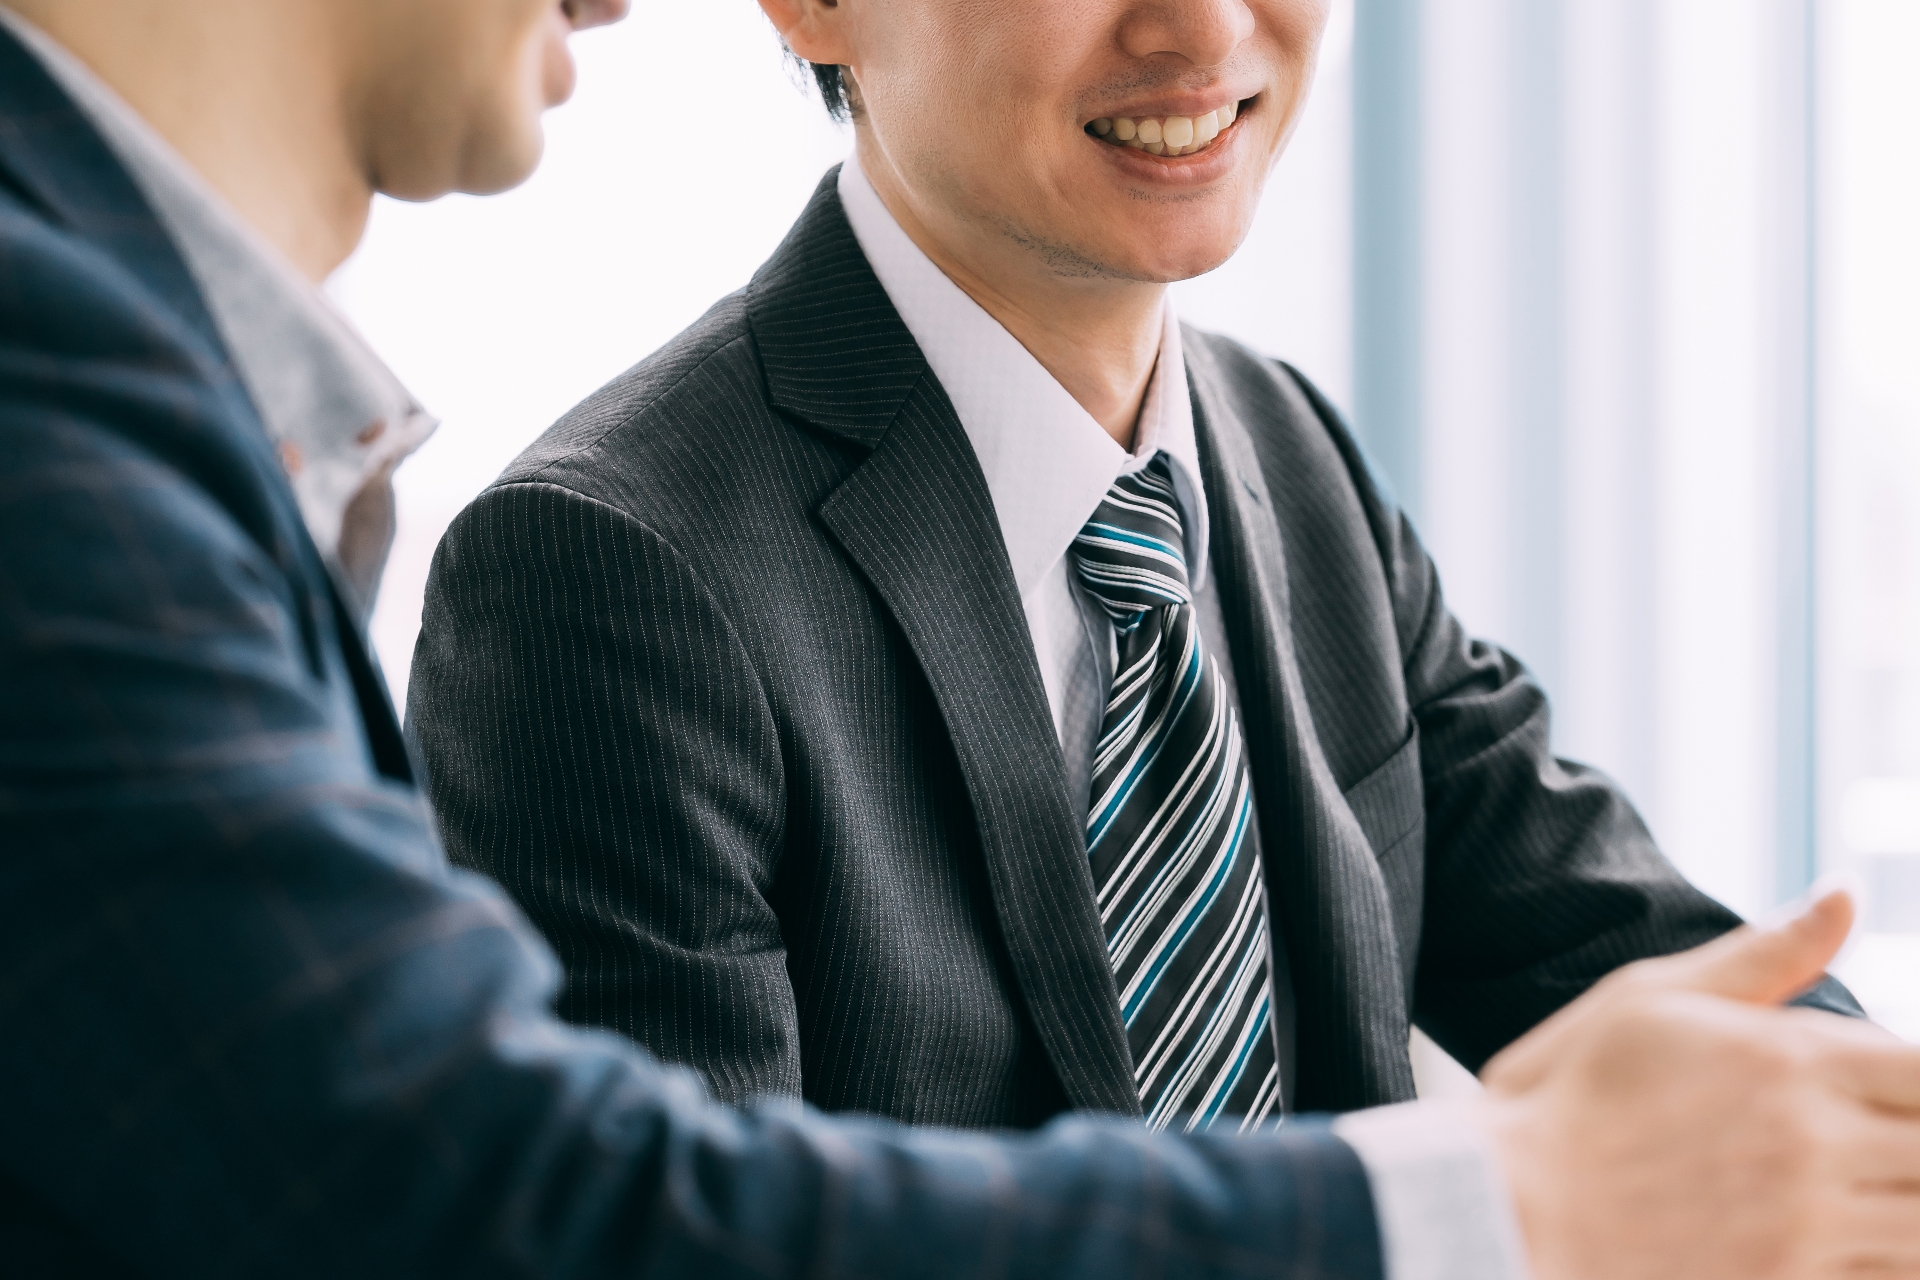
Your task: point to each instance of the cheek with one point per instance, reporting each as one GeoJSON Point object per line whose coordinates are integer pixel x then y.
{"type": "Point", "coordinates": [532, 69]}
{"type": "Point", "coordinates": [504, 137]}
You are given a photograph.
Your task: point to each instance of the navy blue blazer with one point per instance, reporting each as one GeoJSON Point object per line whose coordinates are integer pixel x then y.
{"type": "Point", "coordinates": [251, 1023]}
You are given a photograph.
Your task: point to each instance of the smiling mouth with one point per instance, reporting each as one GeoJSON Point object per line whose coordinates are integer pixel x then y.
{"type": "Point", "coordinates": [1167, 135]}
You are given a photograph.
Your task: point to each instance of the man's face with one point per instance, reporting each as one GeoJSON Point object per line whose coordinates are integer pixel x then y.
{"type": "Point", "coordinates": [453, 90]}
{"type": "Point", "coordinates": [1008, 119]}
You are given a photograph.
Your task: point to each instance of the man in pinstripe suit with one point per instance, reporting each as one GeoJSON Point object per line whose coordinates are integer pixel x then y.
{"type": "Point", "coordinates": [251, 1024]}
{"type": "Point", "coordinates": [940, 684]}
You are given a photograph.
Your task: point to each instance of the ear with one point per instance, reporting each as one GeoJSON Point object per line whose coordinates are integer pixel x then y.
{"type": "Point", "coordinates": [813, 29]}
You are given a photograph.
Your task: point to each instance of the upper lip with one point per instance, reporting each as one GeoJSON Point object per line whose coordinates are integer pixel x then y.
{"type": "Point", "coordinates": [1197, 103]}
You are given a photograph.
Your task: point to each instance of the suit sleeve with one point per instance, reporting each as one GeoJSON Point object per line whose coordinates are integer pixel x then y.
{"type": "Point", "coordinates": [253, 1024]}
{"type": "Point", "coordinates": [596, 740]}
{"type": "Point", "coordinates": [1541, 878]}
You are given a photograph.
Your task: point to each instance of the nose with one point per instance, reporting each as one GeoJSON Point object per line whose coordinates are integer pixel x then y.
{"type": "Point", "coordinates": [1202, 32]}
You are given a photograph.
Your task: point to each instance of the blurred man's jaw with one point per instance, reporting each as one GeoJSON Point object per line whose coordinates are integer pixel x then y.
{"type": "Point", "coordinates": [459, 88]}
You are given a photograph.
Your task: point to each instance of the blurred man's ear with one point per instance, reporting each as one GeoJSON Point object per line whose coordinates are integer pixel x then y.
{"type": "Point", "coordinates": [813, 29]}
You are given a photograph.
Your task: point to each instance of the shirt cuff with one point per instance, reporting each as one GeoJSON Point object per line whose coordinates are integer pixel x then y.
{"type": "Point", "coordinates": [1438, 1192]}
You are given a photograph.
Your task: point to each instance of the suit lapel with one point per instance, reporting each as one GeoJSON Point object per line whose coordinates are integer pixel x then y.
{"type": "Point", "coordinates": [1326, 887]}
{"type": "Point", "coordinates": [385, 740]}
{"type": "Point", "coordinates": [917, 520]}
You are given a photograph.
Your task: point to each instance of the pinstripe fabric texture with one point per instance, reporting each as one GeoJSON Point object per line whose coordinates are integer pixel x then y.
{"type": "Point", "coordinates": [250, 1022]}
{"type": "Point", "coordinates": [728, 681]}
{"type": "Point", "coordinates": [1175, 872]}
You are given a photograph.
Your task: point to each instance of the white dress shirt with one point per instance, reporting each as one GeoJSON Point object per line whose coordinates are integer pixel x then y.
{"type": "Point", "coordinates": [1443, 1208]}
{"type": "Point", "coordinates": [342, 421]}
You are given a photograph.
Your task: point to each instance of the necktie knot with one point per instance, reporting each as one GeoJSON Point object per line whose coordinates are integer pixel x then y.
{"type": "Point", "coordinates": [1132, 554]}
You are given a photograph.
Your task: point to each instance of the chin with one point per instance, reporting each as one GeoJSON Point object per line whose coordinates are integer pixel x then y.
{"type": "Point", "coordinates": [1168, 255]}
{"type": "Point", "coordinates": [1186, 266]}
{"type": "Point", "coordinates": [503, 159]}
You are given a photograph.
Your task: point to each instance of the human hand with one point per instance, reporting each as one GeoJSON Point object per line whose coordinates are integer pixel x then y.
{"type": "Point", "coordinates": [1673, 1123]}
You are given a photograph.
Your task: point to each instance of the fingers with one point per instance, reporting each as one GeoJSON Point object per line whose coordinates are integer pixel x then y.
{"type": "Point", "coordinates": [1758, 964]}
{"type": "Point", "coordinates": [1872, 1235]}
{"type": "Point", "coordinates": [1884, 1074]}
{"type": "Point", "coordinates": [1768, 963]}
{"type": "Point", "coordinates": [1863, 1150]}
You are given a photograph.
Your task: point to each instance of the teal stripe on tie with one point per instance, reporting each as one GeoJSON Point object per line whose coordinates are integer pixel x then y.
{"type": "Point", "coordinates": [1185, 928]}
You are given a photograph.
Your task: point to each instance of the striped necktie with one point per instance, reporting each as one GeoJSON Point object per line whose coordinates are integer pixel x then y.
{"type": "Point", "coordinates": [1180, 890]}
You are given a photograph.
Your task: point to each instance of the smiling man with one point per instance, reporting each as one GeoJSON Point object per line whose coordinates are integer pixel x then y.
{"type": "Point", "coordinates": [941, 684]}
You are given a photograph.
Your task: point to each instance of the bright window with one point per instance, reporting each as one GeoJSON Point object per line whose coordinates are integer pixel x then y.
{"type": "Point", "coordinates": [1869, 529]}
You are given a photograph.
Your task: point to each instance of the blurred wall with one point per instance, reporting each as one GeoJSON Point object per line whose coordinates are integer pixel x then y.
{"type": "Point", "coordinates": [1607, 305]}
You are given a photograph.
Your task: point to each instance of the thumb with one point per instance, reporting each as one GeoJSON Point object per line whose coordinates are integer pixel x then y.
{"type": "Point", "coordinates": [1771, 962]}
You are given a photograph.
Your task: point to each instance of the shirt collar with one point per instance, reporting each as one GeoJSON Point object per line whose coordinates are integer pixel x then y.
{"type": "Point", "coordinates": [1048, 464]}
{"type": "Point", "coordinates": [338, 413]}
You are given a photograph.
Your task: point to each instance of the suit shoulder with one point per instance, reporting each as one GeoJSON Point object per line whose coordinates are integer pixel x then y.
{"type": "Point", "coordinates": [712, 363]}
{"type": "Point", "coordinates": [94, 365]}
{"type": "Point", "coordinates": [1284, 411]}
{"type": "Point", "coordinates": [65, 297]}
{"type": "Point", "coordinates": [1270, 396]}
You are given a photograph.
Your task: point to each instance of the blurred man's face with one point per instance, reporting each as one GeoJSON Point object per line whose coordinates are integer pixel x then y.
{"type": "Point", "coordinates": [1121, 139]}
{"type": "Point", "coordinates": [452, 91]}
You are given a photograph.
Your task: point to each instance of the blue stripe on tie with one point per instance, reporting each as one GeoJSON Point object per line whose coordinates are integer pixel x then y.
{"type": "Point", "coordinates": [1182, 698]}
{"type": "Point", "coordinates": [1116, 799]}
{"type": "Point", "coordinates": [1192, 918]}
{"type": "Point", "coordinates": [1247, 1047]}
{"type": "Point", "coordinates": [1113, 533]}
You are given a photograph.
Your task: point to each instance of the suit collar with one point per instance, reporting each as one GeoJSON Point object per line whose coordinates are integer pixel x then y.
{"type": "Point", "coordinates": [1325, 883]}
{"type": "Point", "coordinates": [835, 352]}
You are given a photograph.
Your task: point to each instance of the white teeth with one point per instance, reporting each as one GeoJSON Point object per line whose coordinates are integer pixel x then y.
{"type": "Point", "coordinates": [1173, 136]}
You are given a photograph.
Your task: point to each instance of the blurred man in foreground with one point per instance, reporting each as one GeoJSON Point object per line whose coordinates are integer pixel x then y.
{"type": "Point", "coordinates": [250, 1024]}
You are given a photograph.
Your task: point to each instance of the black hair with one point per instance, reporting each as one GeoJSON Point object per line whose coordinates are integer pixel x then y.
{"type": "Point", "coordinates": [833, 90]}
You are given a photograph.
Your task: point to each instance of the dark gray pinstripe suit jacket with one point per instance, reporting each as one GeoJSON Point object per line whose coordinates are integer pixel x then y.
{"type": "Point", "coordinates": [727, 680]}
